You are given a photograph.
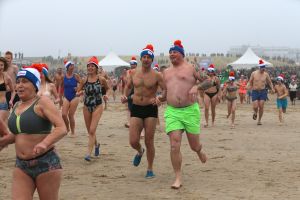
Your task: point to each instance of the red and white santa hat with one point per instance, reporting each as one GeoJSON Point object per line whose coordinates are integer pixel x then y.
{"type": "Point", "coordinates": [231, 76]}
{"type": "Point", "coordinates": [211, 68]}
{"type": "Point", "coordinates": [280, 77]}
{"type": "Point", "coordinates": [94, 60]}
{"type": "Point", "coordinates": [133, 61]}
{"type": "Point", "coordinates": [68, 63]}
{"type": "Point", "coordinates": [156, 67]}
{"type": "Point", "coordinates": [261, 64]}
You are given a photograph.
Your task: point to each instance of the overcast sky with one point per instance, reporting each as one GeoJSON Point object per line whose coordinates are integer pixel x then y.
{"type": "Point", "coordinates": [95, 27]}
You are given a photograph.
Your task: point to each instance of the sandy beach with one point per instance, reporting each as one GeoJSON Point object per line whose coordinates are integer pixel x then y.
{"type": "Point", "coordinates": [248, 162]}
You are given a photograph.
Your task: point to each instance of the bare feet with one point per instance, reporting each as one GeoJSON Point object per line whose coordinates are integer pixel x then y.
{"type": "Point", "coordinates": [176, 185]}
{"type": "Point", "coordinates": [232, 126]}
{"type": "Point", "coordinates": [205, 125]}
{"type": "Point", "coordinates": [228, 115]}
{"type": "Point", "coordinates": [202, 157]}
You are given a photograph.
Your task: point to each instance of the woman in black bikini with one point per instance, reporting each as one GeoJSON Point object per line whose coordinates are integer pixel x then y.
{"type": "Point", "coordinates": [230, 93]}
{"type": "Point", "coordinates": [211, 95]}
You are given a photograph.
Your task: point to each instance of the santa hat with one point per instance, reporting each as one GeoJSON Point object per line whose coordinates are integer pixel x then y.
{"type": "Point", "coordinates": [280, 77]}
{"type": "Point", "coordinates": [211, 68]}
{"type": "Point", "coordinates": [31, 74]}
{"type": "Point", "coordinates": [177, 46]}
{"type": "Point", "coordinates": [68, 63]}
{"type": "Point", "coordinates": [261, 64]}
{"type": "Point", "coordinates": [156, 67]}
{"type": "Point", "coordinates": [231, 76]}
{"type": "Point", "coordinates": [148, 50]}
{"type": "Point", "coordinates": [133, 61]}
{"type": "Point", "coordinates": [94, 60]}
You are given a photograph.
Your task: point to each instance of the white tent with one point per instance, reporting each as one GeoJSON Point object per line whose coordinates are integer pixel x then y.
{"type": "Point", "coordinates": [248, 61]}
{"type": "Point", "coordinates": [111, 61]}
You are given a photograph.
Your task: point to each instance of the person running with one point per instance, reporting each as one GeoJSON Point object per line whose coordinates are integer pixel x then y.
{"type": "Point", "coordinates": [144, 112]}
{"type": "Point", "coordinates": [293, 91]}
{"type": "Point", "coordinates": [93, 107]}
{"type": "Point", "coordinates": [47, 87]}
{"type": "Point", "coordinates": [114, 88]}
{"type": "Point", "coordinates": [212, 96]}
{"type": "Point", "coordinates": [70, 101]}
{"type": "Point", "coordinates": [11, 71]}
{"type": "Point", "coordinates": [258, 82]}
{"type": "Point", "coordinates": [230, 93]}
{"type": "Point", "coordinates": [59, 84]}
{"type": "Point", "coordinates": [182, 112]}
{"type": "Point", "coordinates": [133, 64]}
{"type": "Point", "coordinates": [242, 88]}
{"type": "Point", "coordinates": [282, 93]}
{"type": "Point", "coordinates": [37, 164]}
{"type": "Point", "coordinates": [5, 82]}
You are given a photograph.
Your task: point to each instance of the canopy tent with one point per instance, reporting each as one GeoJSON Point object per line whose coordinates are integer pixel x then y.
{"type": "Point", "coordinates": [248, 61]}
{"type": "Point", "coordinates": [111, 61]}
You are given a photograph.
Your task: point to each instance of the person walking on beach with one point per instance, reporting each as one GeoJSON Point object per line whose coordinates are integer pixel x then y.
{"type": "Point", "coordinates": [36, 125]}
{"type": "Point", "coordinates": [93, 106]}
{"type": "Point", "coordinates": [144, 112]}
{"type": "Point", "coordinates": [59, 84]}
{"type": "Point", "coordinates": [5, 82]}
{"type": "Point", "coordinates": [293, 91]}
{"type": "Point", "coordinates": [282, 93]}
{"type": "Point", "coordinates": [212, 96]}
{"type": "Point", "coordinates": [230, 93]}
{"type": "Point", "coordinates": [258, 82]}
{"type": "Point", "coordinates": [70, 101]}
{"type": "Point", "coordinates": [182, 112]}
{"type": "Point", "coordinates": [242, 88]}
{"type": "Point", "coordinates": [11, 71]}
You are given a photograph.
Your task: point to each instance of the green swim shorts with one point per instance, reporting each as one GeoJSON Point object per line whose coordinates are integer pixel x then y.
{"type": "Point", "coordinates": [186, 118]}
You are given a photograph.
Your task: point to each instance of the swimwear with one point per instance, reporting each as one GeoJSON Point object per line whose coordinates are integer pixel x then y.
{"type": "Point", "coordinates": [282, 103]}
{"type": "Point", "coordinates": [3, 106]}
{"type": "Point", "coordinates": [185, 118]}
{"type": "Point", "coordinates": [144, 112]}
{"type": "Point", "coordinates": [231, 98]}
{"type": "Point", "coordinates": [211, 95]}
{"type": "Point", "coordinates": [93, 95]}
{"type": "Point", "coordinates": [28, 122]}
{"type": "Point", "coordinates": [69, 88]}
{"type": "Point", "coordinates": [46, 162]}
{"type": "Point", "coordinates": [242, 89]}
{"type": "Point", "coordinates": [259, 95]}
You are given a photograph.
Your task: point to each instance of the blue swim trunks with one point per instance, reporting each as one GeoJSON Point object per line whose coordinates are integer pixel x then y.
{"type": "Point", "coordinates": [282, 103]}
{"type": "Point", "coordinates": [259, 95]}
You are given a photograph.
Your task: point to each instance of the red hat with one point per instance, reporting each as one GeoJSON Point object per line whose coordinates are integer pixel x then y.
{"type": "Point", "coordinates": [148, 50]}
{"type": "Point", "coordinates": [211, 68]}
{"type": "Point", "coordinates": [93, 60]}
{"type": "Point", "coordinates": [133, 61]}
{"type": "Point", "coordinates": [261, 64]}
{"type": "Point", "coordinates": [68, 63]}
{"type": "Point", "coordinates": [231, 76]}
{"type": "Point", "coordinates": [156, 67]}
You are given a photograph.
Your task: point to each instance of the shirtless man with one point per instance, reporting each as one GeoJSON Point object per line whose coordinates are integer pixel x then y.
{"type": "Point", "coordinates": [182, 112]}
{"type": "Point", "coordinates": [12, 72]}
{"type": "Point", "coordinates": [282, 93]}
{"type": "Point", "coordinates": [144, 112]}
{"type": "Point", "coordinates": [59, 84]}
{"type": "Point", "coordinates": [258, 81]}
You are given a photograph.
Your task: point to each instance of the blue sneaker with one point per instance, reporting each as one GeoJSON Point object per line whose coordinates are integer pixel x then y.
{"type": "Point", "coordinates": [97, 150]}
{"type": "Point", "coordinates": [137, 158]}
{"type": "Point", "coordinates": [150, 174]}
{"type": "Point", "coordinates": [88, 158]}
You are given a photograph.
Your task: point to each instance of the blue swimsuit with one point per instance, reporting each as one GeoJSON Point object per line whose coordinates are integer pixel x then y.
{"type": "Point", "coordinates": [69, 88]}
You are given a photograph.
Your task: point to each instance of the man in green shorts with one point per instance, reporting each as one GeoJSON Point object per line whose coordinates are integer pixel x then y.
{"type": "Point", "coordinates": [182, 113]}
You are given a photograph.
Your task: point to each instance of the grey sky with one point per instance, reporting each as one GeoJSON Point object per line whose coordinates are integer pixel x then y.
{"type": "Point", "coordinates": [91, 27]}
